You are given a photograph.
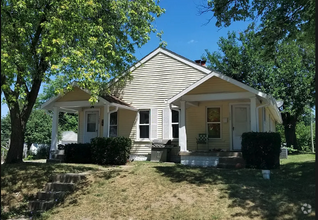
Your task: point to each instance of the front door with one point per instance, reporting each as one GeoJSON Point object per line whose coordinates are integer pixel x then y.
{"type": "Point", "coordinates": [91, 125]}
{"type": "Point", "coordinates": [240, 124]}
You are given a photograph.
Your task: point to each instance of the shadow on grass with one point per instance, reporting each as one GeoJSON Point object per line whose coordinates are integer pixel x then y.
{"type": "Point", "coordinates": [20, 183]}
{"type": "Point", "coordinates": [280, 197]}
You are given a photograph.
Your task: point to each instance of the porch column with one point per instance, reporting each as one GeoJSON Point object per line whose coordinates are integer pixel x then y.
{"type": "Point", "coordinates": [182, 128]}
{"type": "Point", "coordinates": [253, 114]}
{"type": "Point", "coordinates": [54, 137]}
{"type": "Point", "coordinates": [106, 121]}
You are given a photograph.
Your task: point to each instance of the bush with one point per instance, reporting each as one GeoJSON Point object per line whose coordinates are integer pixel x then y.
{"type": "Point", "coordinates": [43, 152]}
{"type": "Point", "coordinates": [77, 153]}
{"type": "Point", "coordinates": [261, 149]}
{"type": "Point", "coordinates": [111, 151]}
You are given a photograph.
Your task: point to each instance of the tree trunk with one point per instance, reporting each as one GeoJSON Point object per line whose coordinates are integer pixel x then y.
{"type": "Point", "coordinates": [289, 122]}
{"type": "Point", "coordinates": [15, 153]}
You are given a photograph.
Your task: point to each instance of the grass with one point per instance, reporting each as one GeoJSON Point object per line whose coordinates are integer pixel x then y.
{"type": "Point", "coordinates": [145, 190]}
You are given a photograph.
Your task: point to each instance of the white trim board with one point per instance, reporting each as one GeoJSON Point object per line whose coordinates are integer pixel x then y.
{"type": "Point", "coordinates": [226, 78]}
{"type": "Point", "coordinates": [217, 96]}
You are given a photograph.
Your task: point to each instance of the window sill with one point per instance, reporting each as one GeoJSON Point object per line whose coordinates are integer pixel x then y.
{"type": "Point", "coordinates": [142, 140]}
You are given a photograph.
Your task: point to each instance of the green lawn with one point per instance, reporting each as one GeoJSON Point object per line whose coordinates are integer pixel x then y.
{"type": "Point", "coordinates": [145, 190]}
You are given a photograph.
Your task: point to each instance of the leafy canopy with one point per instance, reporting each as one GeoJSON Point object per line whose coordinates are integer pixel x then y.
{"type": "Point", "coordinates": [85, 40]}
{"type": "Point", "coordinates": [289, 75]}
{"type": "Point", "coordinates": [278, 19]}
{"type": "Point", "coordinates": [38, 128]}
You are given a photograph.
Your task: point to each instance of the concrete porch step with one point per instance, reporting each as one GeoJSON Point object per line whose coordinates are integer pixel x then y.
{"type": "Point", "coordinates": [56, 186]}
{"type": "Point", "coordinates": [67, 178]}
{"type": "Point", "coordinates": [44, 195]}
{"type": "Point", "coordinates": [41, 205]}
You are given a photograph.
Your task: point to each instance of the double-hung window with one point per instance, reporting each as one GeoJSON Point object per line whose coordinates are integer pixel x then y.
{"type": "Point", "coordinates": [113, 125]}
{"type": "Point", "coordinates": [175, 123]}
{"type": "Point", "coordinates": [214, 122]}
{"type": "Point", "coordinates": [144, 125]}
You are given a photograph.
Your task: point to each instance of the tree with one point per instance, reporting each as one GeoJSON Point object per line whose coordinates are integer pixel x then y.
{"type": "Point", "coordinates": [38, 128]}
{"type": "Point", "coordinates": [294, 19]}
{"type": "Point", "coordinates": [289, 75]}
{"type": "Point", "coordinates": [85, 40]}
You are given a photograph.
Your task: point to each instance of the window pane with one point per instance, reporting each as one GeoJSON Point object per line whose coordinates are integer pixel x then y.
{"type": "Point", "coordinates": [213, 115]}
{"type": "Point", "coordinates": [113, 131]}
{"type": "Point", "coordinates": [175, 116]}
{"type": "Point", "coordinates": [214, 130]}
{"type": "Point", "coordinates": [175, 131]}
{"type": "Point", "coordinates": [144, 131]}
{"type": "Point", "coordinates": [113, 118]}
{"type": "Point", "coordinates": [91, 118]}
{"type": "Point", "coordinates": [91, 122]}
{"type": "Point", "coordinates": [91, 127]}
{"type": "Point", "coordinates": [144, 117]}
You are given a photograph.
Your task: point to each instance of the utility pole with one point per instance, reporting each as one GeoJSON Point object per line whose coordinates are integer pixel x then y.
{"type": "Point", "coordinates": [312, 133]}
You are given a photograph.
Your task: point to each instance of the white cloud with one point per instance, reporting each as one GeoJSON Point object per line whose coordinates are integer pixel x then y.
{"type": "Point", "coordinates": [192, 41]}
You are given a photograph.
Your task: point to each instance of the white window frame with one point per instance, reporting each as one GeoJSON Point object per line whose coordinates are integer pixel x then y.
{"type": "Point", "coordinates": [174, 123]}
{"type": "Point", "coordinates": [206, 122]}
{"type": "Point", "coordinates": [110, 125]}
{"type": "Point", "coordinates": [138, 125]}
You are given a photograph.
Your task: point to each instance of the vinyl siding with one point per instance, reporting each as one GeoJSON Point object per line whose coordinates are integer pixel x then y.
{"type": "Point", "coordinates": [215, 85]}
{"type": "Point", "coordinates": [154, 82]}
{"type": "Point", "coordinates": [127, 121]}
{"type": "Point", "coordinates": [196, 124]}
{"type": "Point", "coordinates": [75, 95]}
{"type": "Point", "coordinates": [157, 80]}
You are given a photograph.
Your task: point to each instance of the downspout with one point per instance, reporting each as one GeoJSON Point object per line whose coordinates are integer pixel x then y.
{"type": "Point", "coordinates": [115, 110]}
{"type": "Point", "coordinates": [257, 116]}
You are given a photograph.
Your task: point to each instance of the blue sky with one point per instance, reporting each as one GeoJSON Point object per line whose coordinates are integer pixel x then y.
{"type": "Point", "coordinates": [185, 32]}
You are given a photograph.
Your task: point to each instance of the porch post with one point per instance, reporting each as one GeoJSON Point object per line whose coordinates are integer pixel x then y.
{"type": "Point", "coordinates": [182, 128]}
{"type": "Point", "coordinates": [105, 126]}
{"type": "Point", "coordinates": [54, 137]}
{"type": "Point", "coordinates": [253, 114]}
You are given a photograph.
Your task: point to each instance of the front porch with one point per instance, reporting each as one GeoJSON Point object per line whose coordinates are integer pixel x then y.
{"type": "Point", "coordinates": [219, 159]}
{"type": "Point", "coordinates": [94, 120]}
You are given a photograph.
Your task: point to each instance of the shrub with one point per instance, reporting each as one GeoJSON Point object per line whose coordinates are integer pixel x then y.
{"type": "Point", "coordinates": [111, 151]}
{"type": "Point", "coordinates": [261, 149]}
{"type": "Point", "coordinates": [43, 152]}
{"type": "Point", "coordinates": [77, 153]}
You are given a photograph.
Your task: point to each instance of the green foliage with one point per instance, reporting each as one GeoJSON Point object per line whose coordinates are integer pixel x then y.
{"type": "Point", "coordinates": [38, 128]}
{"type": "Point", "coordinates": [278, 19]}
{"type": "Point", "coordinates": [303, 135]}
{"type": "Point", "coordinates": [43, 152]}
{"type": "Point", "coordinates": [85, 41]}
{"type": "Point", "coordinates": [5, 131]}
{"type": "Point", "coordinates": [261, 149]}
{"type": "Point", "coordinates": [114, 151]}
{"type": "Point", "coordinates": [77, 153]}
{"type": "Point", "coordinates": [68, 122]}
{"type": "Point", "coordinates": [288, 75]}
{"type": "Point", "coordinates": [29, 157]}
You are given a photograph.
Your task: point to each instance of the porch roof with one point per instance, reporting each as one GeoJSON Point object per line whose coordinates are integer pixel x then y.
{"type": "Point", "coordinates": [70, 106]}
{"type": "Point", "coordinates": [270, 100]}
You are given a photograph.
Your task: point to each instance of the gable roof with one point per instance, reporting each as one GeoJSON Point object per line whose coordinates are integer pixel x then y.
{"type": "Point", "coordinates": [170, 54]}
{"type": "Point", "coordinates": [223, 77]}
{"type": "Point", "coordinates": [273, 103]}
{"type": "Point", "coordinates": [105, 98]}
